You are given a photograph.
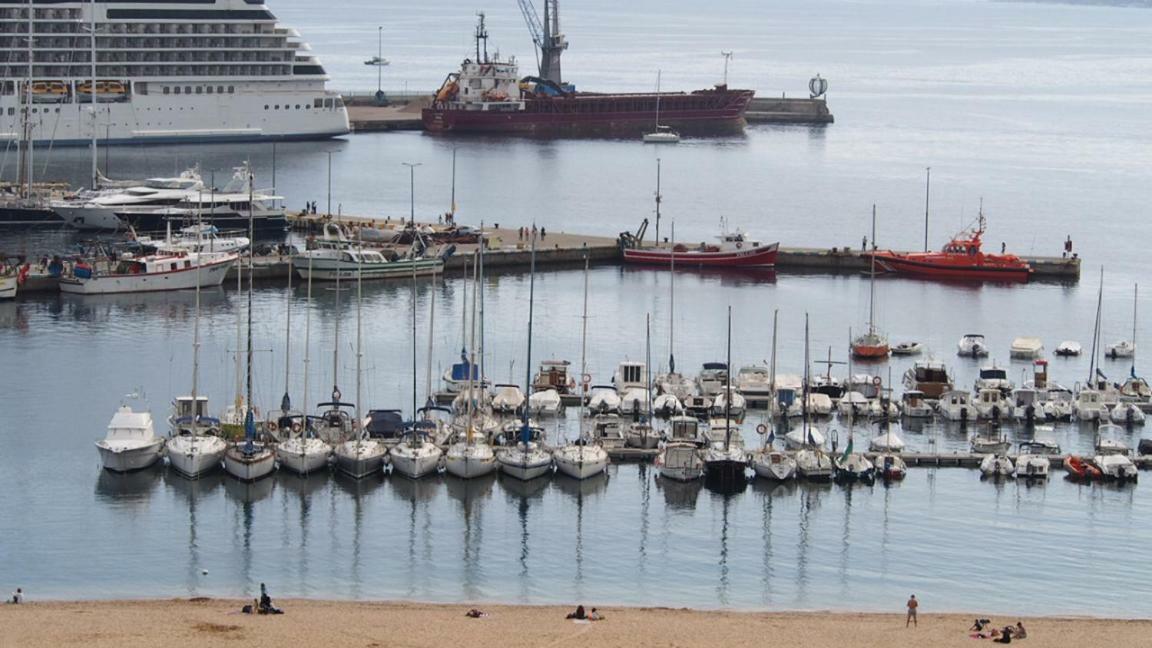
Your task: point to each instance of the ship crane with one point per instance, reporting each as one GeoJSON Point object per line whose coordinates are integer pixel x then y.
{"type": "Point", "coordinates": [550, 43]}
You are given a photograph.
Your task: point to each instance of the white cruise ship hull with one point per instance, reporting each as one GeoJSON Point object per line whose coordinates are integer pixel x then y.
{"type": "Point", "coordinates": [121, 458]}
{"type": "Point", "coordinates": [208, 275]}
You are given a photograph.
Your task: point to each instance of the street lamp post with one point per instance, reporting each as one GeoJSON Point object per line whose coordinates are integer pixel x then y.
{"type": "Point", "coordinates": [411, 191]}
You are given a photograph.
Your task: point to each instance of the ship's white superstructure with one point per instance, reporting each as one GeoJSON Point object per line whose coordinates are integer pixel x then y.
{"type": "Point", "coordinates": [209, 70]}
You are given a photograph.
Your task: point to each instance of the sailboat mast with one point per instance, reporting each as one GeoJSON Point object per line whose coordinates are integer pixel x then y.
{"type": "Point", "coordinates": [772, 365]}
{"type": "Point", "coordinates": [728, 389]}
{"type": "Point", "coordinates": [359, 326]}
{"type": "Point", "coordinates": [648, 360]}
{"type": "Point", "coordinates": [584, 345]}
{"type": "Point", "coordinates": [872, 283]}
{"type": "Point", "coordinates": [287, 339]}
{"type": "Point", "coordinates": [238, 402]}
{"type": "Point", "coordinates": [672, 301]}
{"type": "Point", "coordinates": [336, 346]}
{"type": "Point", "coordinates": [807, 378]}
{"type": "Point", "coordinates": [196, 328]}
{"type": "Point", "coordinates": [27, 167]}
{"type": "Point", "coordinates": [531, 308]}
{"type": "Point", "coordinates": [453, 212]}
{"type": "Point", "coordinates": [658, 198]}
{"type": "Point", "coordinates": [413, 341]}
{"type": "Point", "coordinates": [307, 351]}
{"type": "Point", "coordinates": [478, 295]}
{"type": "Point", "coordinates": [1135, 303]}
{"type": "Point", "coordinates": [472, 358]}
{"type": "Point", "coordinates": [431, 331]}
{"type": "Point", "coordinates": [1096, 330]}
{"type": "Point", "coordinates": [657, 98]}
{"type": "Point", "coordinates": [251, 237]}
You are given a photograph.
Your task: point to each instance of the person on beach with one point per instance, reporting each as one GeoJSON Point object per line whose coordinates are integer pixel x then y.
{"type": "Point", "coordinates": [1005, 635]}
{"type": "Point", "coordinates": [1019, 632]}
{"type": "Point", "coordinates": [578, 614]}
{"type": "Point", "coordinates": [17, 597]}
{"type": "Point", "coordinates": [912, 605]}
{"type": "Point", "coordinates": [595, 615]}
{"type": "Point", "coordinates": [265, 604]}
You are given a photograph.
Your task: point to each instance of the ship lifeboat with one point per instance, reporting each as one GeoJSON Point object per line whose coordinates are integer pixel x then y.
{"type": "Point", "coordinates": [102, 88]}
{"type": "Point", "coordinates": [448, 91]}
{"type": "Point", "coordinates": [962, 259]}
{"type": "Point", "coordinates": [49, 91]}
{"type": "Point", "coordinates": [1080, 468]}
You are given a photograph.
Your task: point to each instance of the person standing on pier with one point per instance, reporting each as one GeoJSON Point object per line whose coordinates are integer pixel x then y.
{"type": "Point", "coordinates": [1068, 246]}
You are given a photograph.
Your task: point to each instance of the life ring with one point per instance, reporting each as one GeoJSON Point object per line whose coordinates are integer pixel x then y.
{"type": "Point", "coordinates": [877, 381]}
{"type": "Point", "coordinates": [295, 427]}
{"type": "Point", "coordinates": [586, 379]}
{"type": "Point", "coordinates": [739, 245]}
{"type": "Point", "coordinates": [761, 429]}
{"type": "Point", "coordinates": [271, 425]}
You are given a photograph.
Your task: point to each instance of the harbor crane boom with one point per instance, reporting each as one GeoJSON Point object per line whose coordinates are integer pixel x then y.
{"type": "Point", "coordinates": [547, 37]}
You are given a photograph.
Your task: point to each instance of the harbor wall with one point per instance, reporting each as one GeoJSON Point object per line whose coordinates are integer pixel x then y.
{"type": "Point", "coordinates": [786, 110]}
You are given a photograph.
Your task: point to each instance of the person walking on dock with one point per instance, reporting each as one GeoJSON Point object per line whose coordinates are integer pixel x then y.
{"type": "Point", "coordinates": [912, 605]}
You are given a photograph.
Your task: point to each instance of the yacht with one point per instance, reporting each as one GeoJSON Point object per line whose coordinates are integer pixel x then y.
{"type": "Point", "coordinates": [416, 455]}
{"type": "Point", "coordinates": [166, 72]}
{"type": "Point", "coordinates": [972, 345]}
{"type": "Point", "coordinates": [195, 446]}
{"type": "Point", "coordinates": [712, 379]}
{"type": "Point", "coordinates": [930, 377]}
{"type": "Point", "coordinates": [526, 459]}
{"type": "Point", "coordinates": [152, 273]}
{"type": "Point", "coordinates": [95, 209]}
{"type": "Point", "coordinates": [131, 442]}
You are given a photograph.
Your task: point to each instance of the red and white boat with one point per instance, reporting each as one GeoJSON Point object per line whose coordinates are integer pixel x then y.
{"type": "Point", "coordinates": [735, 250]}
{"type": "Point", "coordinates": [961, 259]}
{"type": "Point", "coordinates": [166, 271]}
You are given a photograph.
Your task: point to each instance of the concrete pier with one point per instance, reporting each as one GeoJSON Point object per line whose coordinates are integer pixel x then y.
{"type": "Point", "coordinates": [783, 110]}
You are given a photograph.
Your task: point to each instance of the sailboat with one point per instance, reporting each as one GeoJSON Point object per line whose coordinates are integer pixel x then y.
{"type": "Point", "coordinates": [526, 459]}
{"type": "Point", "coordinates": [662, 134]}
{"type": "Point", "coordinates": [725, 461]}
{"type": "Point", "coordinates": [768, 462]}
{"type": "Point", "coordinates": [250, 459]}
{"type": "Point", "coordinates": [872, 344]}
{"type": "Point", "coordinates": [1126, 348]}
{"type": "Point", "coordinates": [471, 456]}
{"type": "Point", "coordinates": [811, 461]}
{"type": "Point", "coordinates": [416, 455]}
{"type": "Point", "coordinates": [335, 423]}
{"type": "Point", "coordinates": [194, 446]}
{"type": "Point", "coordinates": [299, 449]}
{"type": "Point", "coordinates": [361, 455]}
{"type": "Point", "coordinates": [584, 457]}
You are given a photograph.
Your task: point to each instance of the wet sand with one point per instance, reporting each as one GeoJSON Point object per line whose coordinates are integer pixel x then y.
{"type": "Point", "coordinates": [217, 622]}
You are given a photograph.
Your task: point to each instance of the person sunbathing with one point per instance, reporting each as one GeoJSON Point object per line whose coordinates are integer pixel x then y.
{"type": "Point", "coordinates": [578, 614]}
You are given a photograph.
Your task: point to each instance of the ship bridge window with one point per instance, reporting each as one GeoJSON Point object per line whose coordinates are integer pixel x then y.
{"type": "Point", "coordinates": [209, 89]}
{"type": "Point", "coordinates": [231, 89]}
{"type": "Point", "coordinates": [187, 89]}
{"type": "Point", "coordinates": [167, 89]}
{"type": "Point", "coordinates": [175, 90]}
{"type": "Point", "coordinates": [317, 103]}
{"type": "Point", "coordinates": [199, 89]}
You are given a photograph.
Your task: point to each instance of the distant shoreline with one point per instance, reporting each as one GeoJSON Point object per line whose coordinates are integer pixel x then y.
{"type": "Point", "coordinates": [218, 622]}
{"type": "Point", "coordinates": [1123, 4]}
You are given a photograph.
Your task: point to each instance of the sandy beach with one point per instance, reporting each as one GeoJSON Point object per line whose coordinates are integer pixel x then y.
{"type": "Point", "coordinates": [217, 622]}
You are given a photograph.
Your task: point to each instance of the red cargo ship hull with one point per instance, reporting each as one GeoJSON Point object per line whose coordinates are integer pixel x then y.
{"type": "Point", "coordinates": [763, 256]}
{"type": "Point", "coordinates": [704, 112]}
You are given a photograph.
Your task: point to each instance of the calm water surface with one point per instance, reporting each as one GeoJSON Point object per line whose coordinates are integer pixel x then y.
{"type": "Point", "coordinates": [1038, 109]}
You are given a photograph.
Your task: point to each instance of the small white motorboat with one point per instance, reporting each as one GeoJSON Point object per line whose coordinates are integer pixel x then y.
{"type": "Point", "coordinates": [915, 405]}
{"type": "Point", "coordinates": [1089, 405]}
{"type": "Point", "coordinates": [1121, 349]}
{"type": "Point", "coordinates": [1034, 460]}
{"type": "Point", "coordinates": [853, 404]}
{"type": "Point", "coordinates": [887, 441]}
{"type": "Point", "coordinates": [508, 399]}
{"type": "Point", "coordinates": [641, 435]}
{"type": "Point", "coordinates": [131, 442]}
{"type": "Point", "coordinates": [1116, 466]}
{"type": "Point", "coordinates": [801, 438]}
{"type": "Point", "coordinates": [603, 399]}
{"type": "Point", "coordinates": [906, 348]}
{"type": "Point", "coordinates": [972, 345]}
{"type": "Point", "coordinates": [680, 461]}
{"type": "Point", "coordinates": [957, 406]}
{"type": "Point", "coordinates": [1110, 440]}
{"type": "Point", "coordinates": [890, 466]}
{"type": "Point", "coordinates": [635, 400]}
{"type": "Point", "coordinates": [1026, 348]}
{"type": "Point", "coordinates": [854, 466]}
{"type": "Point", "coordinates": [729, 402]}
{"type": "Point", "coordinates": [754, 381]}
{"type": "Point", "coordinates": [667, 405]}
{"type": "Point", "coordinates": [546, 402]}
{"type": "Point", "coordinates": [1068, 349]}
{"type": "Point", "coordinates": [1128, 414]}
{"type": "Point", "coordinates": [991, 406]}
{"type": "Point", "coordinates": [989, 442]}
{"type": "Point", "coordinates": [997, 465]}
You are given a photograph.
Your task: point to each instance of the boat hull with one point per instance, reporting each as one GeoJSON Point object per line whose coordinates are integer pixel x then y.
{"type": "Point", "coordinates": [8, 287]}
{"type": "Point", "coordinates": [959, 270]}
{"type": "Point", "coordinates": [249, 466]}
{"type": "Point", "coordinates": [303, 459]}
{"type": "Point", "coordinates": [130, 459]}
{"type": "Point", "coordinates": [469, 464]}
{"type": "Point", "coordinates": [703, 113]}
{"type": "Point", "coordinates": [330, 269]}
{"type": "Point", "coordinates": [524, 466]}
{"type": "Point", "coordinates": [207, 275]}
{"type": "Point", "coordinates": [32, 216]}
{"type": "Point", "coordinates": [90, 219]}
{"type": "Point", "coordinates": [580, 465]}
{"type": "Point", "coordinates": [763, 256]}
{"type": "Point", "coordinates": [159, 221]}
{"type": "Point", "coordinates": [415, 464]}
{"type": "Point", "coordinates": [781, 468]}
{"type": "Point", "coordinates": [193, 458]}
{"type": "Point", "coordinates": [360, 462]}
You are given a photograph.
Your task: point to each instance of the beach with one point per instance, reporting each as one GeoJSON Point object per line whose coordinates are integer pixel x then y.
{"type": "Point", "coordinates": [218, 622]}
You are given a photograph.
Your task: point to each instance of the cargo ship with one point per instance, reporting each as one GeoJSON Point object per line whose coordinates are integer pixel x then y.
{"type": "Point", "coordinates": [488, 95]}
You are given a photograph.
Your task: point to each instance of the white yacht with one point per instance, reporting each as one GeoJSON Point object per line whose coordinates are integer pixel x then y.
{"type": "Point", "coordinates": [526, 459]}
{"type": "Point", "coordinates": [96, 209]}
{"type": "Point", "coordinates": [195, 446]}
{"type": "Point", "coordinates": [416, 456]}
{"type": "Point", "coordinates": [166, 71]}
{"type": "Point", "coordinates": [131, 442]}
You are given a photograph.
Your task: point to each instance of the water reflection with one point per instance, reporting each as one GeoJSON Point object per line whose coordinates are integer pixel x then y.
{"type": "Point", "coordinates": [472, 495]}
{"type": "Point", "coordinates": [193, 491]}
{"type": "Point", "coordinates": [128, 490]}
{"type": "Point", "coordinates": [361, 491]}
{"type": "Point", "coordinates": [679, 495]}
{"type": "Point", "coordinates": [298, 493]}
{"type": "Point", "coordinates": [724, 583]}
{"type": "Point", "coordinates": [168, 306]}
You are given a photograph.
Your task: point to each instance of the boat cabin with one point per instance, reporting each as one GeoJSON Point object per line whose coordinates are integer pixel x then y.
{"type": "Point", "coordinates": [187, 407]}
{"type": "Point", "coordinates": [553, 374]}
{"type": "Point", "coordinates": [385, 424]}
{"type": "Point", "coordinates": [684, 429]}
{"type": "Point", "coordinates": [930, 377]}
{"type": "Point", "coordinates": [127, 425]}
{"type": "Point", "coordinates": [630, 374]}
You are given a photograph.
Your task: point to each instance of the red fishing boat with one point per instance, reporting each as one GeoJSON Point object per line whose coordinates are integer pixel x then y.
{"type": "Point", "coordinates": [735, 250]}
{"type": "Point", "coordinates": [962, 258]}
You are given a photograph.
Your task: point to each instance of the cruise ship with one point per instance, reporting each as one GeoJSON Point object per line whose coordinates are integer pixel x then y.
{"type": "Point", "coordinates": [176, 71]}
